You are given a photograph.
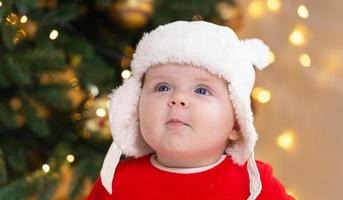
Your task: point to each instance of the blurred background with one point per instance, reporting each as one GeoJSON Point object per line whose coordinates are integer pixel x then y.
{"type": "Point", "coordinates": [60, 59]}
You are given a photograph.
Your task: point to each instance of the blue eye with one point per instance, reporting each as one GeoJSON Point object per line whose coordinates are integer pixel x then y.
{"type": "Point", "coordinates": [201, 90]}
{"type": "Point", "coordinates": [162, 88]}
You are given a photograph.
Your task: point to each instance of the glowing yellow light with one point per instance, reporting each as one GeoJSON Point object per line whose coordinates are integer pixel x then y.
{"type": "Point", "coordinates": [53, 34]}
{"type": "Point", "coordinates": [132, 3]}
{"type": "Point", "coordinates": [12, 19]}
{"type": "Point", "coordinates": [305, 60]}
{"type": "Point", "coordinates": [274, 5]}
{"type": "Point", "coordinates": [286, 140]}
{"type": "Point", "coordinates": [108, 103]}
{"type": "Point", "coordinates": [255, 92]}
{"type": "Point", "coordinates": [76, 60]}
{"type": "Point", "coordinates": [256, 8]}
{"type": "Point", "coordinates": [93, 89]}
{"type": "Point", "coordinates": [0, 3]}
{"type": "Point", "coordinates": [46, 168]}
{"type": "Point", "coordinates": [303, 12]}
{"type": "Point", "coordinates": [264, 96]}
{"type": "Point", "coordinates": [19, 35]}
{"type": "Point", "coordinates": [297, 37]}
{"type": "Point", "coordinates": [23, 19]}
{"type": "Point", "coordinates": [76, 116]}
{"type": "Point", "coordinates": [89, 104]}
{"type": "Point", "coordinates": [261, 95]}
{"type": "Point", "coordinates": [100, 112]}
{"type": "Point", "coordinates": [271, 57]}
{"type": "Point", "coordinates": [70, 158]}
{"type": "Point", "coordinates": [125, 74]}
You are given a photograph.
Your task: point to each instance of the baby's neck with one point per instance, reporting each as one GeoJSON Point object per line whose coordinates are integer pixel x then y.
{"type": "Point", "coordinates": [187, 160]}
{"type": "Point", "coordinates": [184, 170]}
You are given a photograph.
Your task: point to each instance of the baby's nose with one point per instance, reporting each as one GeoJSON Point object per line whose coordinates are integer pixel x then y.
{"type": "Point", "coordinates": [178, 101]}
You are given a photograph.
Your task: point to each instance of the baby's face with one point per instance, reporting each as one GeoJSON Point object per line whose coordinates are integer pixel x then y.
{"type": "Point", "coordinates": [185, 115]}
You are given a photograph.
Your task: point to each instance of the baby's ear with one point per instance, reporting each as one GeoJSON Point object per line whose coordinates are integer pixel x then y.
{"type": "Point", "coordinates": [235, 133]}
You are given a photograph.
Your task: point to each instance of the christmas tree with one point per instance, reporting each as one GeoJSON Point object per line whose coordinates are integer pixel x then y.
{"type": "Point", "coordinates": [59, 61]}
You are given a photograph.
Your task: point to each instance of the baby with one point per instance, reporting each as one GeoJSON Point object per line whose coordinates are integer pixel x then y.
{"type": "Point", "coordinates": [185, 118]}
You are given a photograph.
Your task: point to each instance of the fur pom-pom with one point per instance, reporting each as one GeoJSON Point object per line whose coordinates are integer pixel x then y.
{"type": "Point", "coordinates": [257, 52]}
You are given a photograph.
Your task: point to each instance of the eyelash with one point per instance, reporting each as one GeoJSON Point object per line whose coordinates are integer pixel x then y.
{"type": "Point", "coordinates": [157, 88]}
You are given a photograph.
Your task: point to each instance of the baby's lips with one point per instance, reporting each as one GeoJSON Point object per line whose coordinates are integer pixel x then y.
{"type": "Point", "coordinates": [176, 120]}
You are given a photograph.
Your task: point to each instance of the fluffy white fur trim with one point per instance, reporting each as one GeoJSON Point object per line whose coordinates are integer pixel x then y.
{"type": "Point", "coordinates": [257, 52]}
{"type": "Point", "coordinates": [123, 115]}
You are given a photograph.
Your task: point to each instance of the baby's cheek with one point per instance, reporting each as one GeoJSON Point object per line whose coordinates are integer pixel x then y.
{"type": "Point", "coordinates": [210, 112]}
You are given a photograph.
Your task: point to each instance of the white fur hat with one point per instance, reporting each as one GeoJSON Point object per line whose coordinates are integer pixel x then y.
{"type": "Point", "coordinates": [201, 44]}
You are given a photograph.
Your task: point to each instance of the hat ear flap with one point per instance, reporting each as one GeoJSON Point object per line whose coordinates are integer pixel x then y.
{"type": "Point", "coordinates": [124, 120]}
{"type": "Point", "coordinates": [257, 52]}
{"type": "Point", "coordinates": [109, 166]}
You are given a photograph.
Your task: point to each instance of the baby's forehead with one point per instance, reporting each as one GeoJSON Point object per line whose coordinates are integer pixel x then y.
{"type": "Point", "coordinates": [170, 70]}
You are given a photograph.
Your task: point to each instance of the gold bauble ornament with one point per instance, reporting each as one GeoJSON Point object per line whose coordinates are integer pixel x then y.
{"type": "Point", "coordinates": [228, 14]}
{"type": "Point", "coordinates": [132, 14]}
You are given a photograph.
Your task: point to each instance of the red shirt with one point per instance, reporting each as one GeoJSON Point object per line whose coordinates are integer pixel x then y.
{"type": "Point", "coordinates": [138, 179]}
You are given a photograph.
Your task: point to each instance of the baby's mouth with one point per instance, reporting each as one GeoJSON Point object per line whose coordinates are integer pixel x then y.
{"type": "Point", "coordinates": [175, 123]}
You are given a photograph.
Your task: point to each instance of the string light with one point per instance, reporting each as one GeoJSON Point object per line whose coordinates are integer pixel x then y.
{"type": "Point", "coordinates": [271, 57]}
{"type": "Point", "coordinates": [76, 60]}
{"type": "Point", "coordinates": [125, 74]}
{"type": "Point", "coordinates": [92, 125]}
{"type": "Point", "coordinates": [132, 3]}
{"type": "Point", "coordinates": [256, 8]}
{"type": "Point", "coordinates": [93, 90]}
{"type": "Point", "coordinates": [46, 168]}
{"type": "Point", "coordinates": [286, 140]}
{"type": "Point", "coordinates": [53, 34]}
{"type": "Point", "coordinates": [261, 95]}
{"type": "Point", "coordinates": [303, 12]}
{"type": "Point", "coordinates": [297, 37]}
{"type": "Point", "coordinates": [76, 116]}
{"type": "Point", "coordinates": [70, 158]}
{"type": "Point", "coordinates": [305, 60]}
{"type": "Point", "coordinates": [23, 19]}
{"type": "Point", "coordinates": [274, 5]}
{"type": "Point", "coordinates": [100, 112]}
{"type": "Point", "coordinates": [12, 19]}
{"type": "Point", "coordinates": [0, 3]}
{"type": "Point", "coordinates": [19, 35]}
{"type": "Point", "coordinates": [89, 104]}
